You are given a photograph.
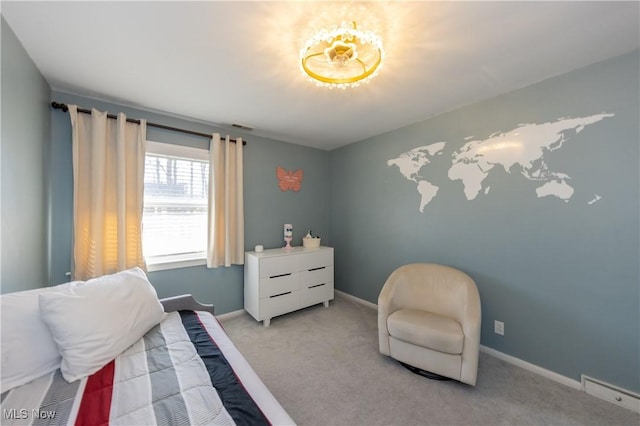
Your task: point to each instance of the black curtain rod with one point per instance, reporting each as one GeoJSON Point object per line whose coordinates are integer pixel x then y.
{"type": "Point", "coordinates": [65, 108]}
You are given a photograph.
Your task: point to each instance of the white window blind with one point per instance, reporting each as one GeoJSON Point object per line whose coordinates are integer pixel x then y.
{"type": "Point", "coordinates": [174, 222]}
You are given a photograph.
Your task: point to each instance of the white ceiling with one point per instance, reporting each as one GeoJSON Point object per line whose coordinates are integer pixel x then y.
{"type": "Point", "coordinates": [237, 62]}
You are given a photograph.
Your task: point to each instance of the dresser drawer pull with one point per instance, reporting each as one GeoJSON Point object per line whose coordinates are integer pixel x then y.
{"type": "Point", "coordinates": [317, 269]}
{"type": "Point", "coordinates": [281, 275]}
{"type": "Point", "coordinates": [317, 285]}
{"type": "Point", "coordinates": [278, 295]}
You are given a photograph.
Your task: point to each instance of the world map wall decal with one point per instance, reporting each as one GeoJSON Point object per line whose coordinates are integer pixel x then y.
{"type": "Point", "coordinates": [523, 148]}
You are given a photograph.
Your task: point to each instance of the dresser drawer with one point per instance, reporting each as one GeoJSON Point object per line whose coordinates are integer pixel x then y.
{"type": "Point", "coordinates": [278, 281]}
{"type": "Point", "coordinates": [280, 304]}
{"type": "Point", "coordinates": [321, 275]}
{"type": "Point", "coordinates": [313, 260]}
{"type": "Point", "coordinates": [316, 294]}
{"type": "Point", "coordinates": [279, 265]}
{"type": "Point", "coordinates": [278, 284]}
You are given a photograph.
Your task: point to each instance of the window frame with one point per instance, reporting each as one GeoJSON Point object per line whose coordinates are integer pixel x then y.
{"type": "Point", "coordinates": [183, 260]}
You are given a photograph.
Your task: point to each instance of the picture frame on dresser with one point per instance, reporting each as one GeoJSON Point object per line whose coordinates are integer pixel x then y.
{"type": "Point", "coordinates": [279, 281]}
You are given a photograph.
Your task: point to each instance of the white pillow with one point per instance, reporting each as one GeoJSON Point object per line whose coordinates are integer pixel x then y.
{"type": "Point", "coordinates": [27, 348]}
{"type": "Point", "coordinates": [93, 323]}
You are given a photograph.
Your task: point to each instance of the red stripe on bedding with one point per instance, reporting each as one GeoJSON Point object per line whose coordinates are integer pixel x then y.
{"type": "Point", "coordinates": [96, 400]}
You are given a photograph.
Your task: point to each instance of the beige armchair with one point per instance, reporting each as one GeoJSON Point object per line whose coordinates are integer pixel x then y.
{"type": "Point", "coordinates": [429, 318]}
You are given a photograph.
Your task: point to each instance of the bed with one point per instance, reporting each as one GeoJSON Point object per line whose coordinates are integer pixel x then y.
{"type": "Point", "coordinates": [180, 369]}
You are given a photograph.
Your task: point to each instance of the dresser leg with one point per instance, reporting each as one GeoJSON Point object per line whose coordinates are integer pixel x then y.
{"type": "Point", "coordinates": [326, 303]}
{"type": "Point", "coordinates": [266, 322]}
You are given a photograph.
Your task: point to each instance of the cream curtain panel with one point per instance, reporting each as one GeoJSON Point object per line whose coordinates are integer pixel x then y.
{"type": "Point", "coordinates": [225, 242]}
{"type": "Point", "coordinates": [108, 188]}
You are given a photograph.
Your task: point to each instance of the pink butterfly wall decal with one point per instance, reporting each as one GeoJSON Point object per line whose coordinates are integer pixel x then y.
{"type": "Point", "coordinates": [289, 180]}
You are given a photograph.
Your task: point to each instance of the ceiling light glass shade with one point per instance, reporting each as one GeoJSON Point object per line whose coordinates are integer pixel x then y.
{"type": "Point", "coordinates": [342, 57]}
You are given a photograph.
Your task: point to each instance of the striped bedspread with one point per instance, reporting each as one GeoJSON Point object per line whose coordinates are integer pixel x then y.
{"type": "Point", "coordinates": [184, 371]}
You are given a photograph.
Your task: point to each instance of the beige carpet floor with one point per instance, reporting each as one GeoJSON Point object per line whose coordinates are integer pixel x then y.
{"type": "Point", "coordinates": [324, 367]}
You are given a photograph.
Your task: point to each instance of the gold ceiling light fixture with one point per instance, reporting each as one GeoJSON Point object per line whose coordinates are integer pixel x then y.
{"type": "Point", "coordinates": [342, 57]}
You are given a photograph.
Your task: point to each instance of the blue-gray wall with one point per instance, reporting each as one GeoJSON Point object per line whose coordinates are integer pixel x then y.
{"type": "Point", "coordinates": [563, 276]}
{"type": "Point", "coordinates": [25, 141]}
{"type": "Point", "coordinates": [267, 208]}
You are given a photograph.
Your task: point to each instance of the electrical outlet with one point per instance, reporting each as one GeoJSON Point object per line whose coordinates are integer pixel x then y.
{"type": "Point", "coordinates": [498, 327]}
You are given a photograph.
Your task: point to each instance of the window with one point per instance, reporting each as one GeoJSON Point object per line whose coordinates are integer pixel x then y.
{"type": "Point", "coordinates": [174, 221]}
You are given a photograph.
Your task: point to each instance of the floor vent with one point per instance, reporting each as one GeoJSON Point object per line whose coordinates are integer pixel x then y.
{"type": "Point", "coordinates": [611, 393]}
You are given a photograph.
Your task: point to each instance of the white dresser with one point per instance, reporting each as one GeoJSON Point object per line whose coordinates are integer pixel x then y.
{"type": "Point", "coordinates": [278, 281]}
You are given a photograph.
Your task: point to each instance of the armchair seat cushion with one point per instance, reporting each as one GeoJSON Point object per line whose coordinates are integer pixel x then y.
{"type": "Point", "coordinates": [426, 329]}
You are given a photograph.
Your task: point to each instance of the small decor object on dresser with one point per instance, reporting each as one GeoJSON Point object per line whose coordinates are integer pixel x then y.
{"type": "Point", "coordinates": [310, 241]}
{"type": "Point", "coordinates": [288, 235]}
{"type": "Point", "coordinates": [280, 281]}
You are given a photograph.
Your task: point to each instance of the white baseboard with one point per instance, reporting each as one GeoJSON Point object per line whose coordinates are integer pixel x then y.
{"type": "Point", "coordinates": [532, 367]}
{"type": "Point", "coordinates": [356, 299]}
{"type": "Point", "coordinates": [230, 315]}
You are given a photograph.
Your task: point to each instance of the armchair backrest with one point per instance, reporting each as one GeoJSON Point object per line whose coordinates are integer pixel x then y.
{"type": "Point", "coordinates": [435, 288]}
